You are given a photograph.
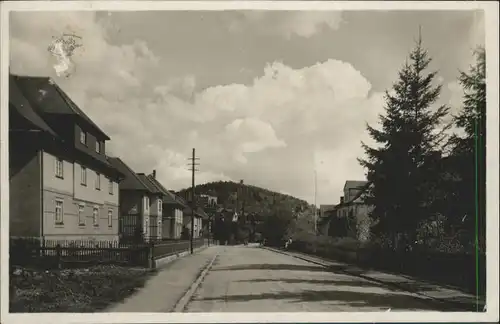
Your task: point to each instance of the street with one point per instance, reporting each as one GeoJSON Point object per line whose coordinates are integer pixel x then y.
{"type": "Point", "coordinates": [253, 279]}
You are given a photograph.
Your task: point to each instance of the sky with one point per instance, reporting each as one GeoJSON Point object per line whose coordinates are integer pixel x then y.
{"type": "Point", "coordinates": [268, 97]}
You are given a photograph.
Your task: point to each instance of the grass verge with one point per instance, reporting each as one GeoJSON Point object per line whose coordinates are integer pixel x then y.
{"type": "Point", "coordinates": [73, 290]}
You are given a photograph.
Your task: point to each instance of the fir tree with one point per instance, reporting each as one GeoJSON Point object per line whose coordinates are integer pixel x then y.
{"type": "Point", "coordinates": [469, 150]}
{"type": "Point", "coordinates": [400, 169]}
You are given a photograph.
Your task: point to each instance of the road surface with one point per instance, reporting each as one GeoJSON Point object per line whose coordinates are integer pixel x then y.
{"type": "Point", "coordinates": [253, 279]}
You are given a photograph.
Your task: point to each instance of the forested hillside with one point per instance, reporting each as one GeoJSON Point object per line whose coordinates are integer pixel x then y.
{"type": "Point", "coordinates": [256, 199]}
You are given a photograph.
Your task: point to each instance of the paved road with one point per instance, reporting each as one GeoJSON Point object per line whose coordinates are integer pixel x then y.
{"type": "Point", "coordinates": [252, 279]}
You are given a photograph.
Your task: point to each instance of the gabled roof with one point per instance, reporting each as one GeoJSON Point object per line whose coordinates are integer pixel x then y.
{"type": "Point", "coordinates": [132, 181]}
{"type": "Point", "coordinates": [168, 197]}
{"type": "Point", "coordinates": [150, 185]}
{"type": "Point", "coordinates": [362, 190]}
{"type": "Point", "coordinates": [23, 107]}
{"type": "Point", "coordinates": [47, 97]}
{"type": "Point", "coordinates": [354, 184]}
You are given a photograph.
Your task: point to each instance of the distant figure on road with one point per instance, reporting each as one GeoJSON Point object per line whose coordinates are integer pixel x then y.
{"type": "Point", "coordinates": [287, 243]}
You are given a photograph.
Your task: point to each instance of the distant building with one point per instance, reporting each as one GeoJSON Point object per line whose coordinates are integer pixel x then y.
{"type": "Point", "coordinates": [137, 196]}
{"type": "Point", "coordinates": [350, 217]}
{"type": "Point", "coordinates": [354, 210]}
{"type": "Point", "coordinates": [207, 201]}
{"type": "Point", "coordinates": [325, 208]}
{"type": "Point", "coordinates": [172, 217]}
{"type": "Point", "coordinates": [62, 186]}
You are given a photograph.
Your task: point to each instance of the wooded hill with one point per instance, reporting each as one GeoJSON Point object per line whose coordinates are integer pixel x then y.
{"type": "Point", "coordinates": [257, 200]}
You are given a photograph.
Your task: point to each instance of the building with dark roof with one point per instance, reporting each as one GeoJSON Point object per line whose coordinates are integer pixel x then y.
{"type": "Point", "coordinates": [140, 205]}
{"type": "Point", "coordinates": [61, 183]}
{"type": "Point", "coordinates": [174, 217]}
{"type": "Point", "coordinates": [350, 217]}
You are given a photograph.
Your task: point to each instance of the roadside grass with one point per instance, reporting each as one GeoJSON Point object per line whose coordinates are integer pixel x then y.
{"type": "Point", "coordinates": [73, 290]}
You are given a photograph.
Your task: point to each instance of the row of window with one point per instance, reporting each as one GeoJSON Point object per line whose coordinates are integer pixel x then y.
{"type": "Point", "coordinates": [59, 214]}
{"type": "Point", "coordinates": [59, 172]}
{"type": "Point", "coordinates": [83, 140]}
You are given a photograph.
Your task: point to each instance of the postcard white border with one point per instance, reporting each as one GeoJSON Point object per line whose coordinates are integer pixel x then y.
{"type": "Point", "coordinates": [492, 52]}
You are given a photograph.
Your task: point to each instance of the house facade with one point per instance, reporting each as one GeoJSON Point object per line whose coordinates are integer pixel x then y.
{"type": "Point", "coordinates": [137, 201]}
{"type": "Point", "coordinates": [153, 220]}
{"type": "Point", "coordinates": [173, 217]}
{"type": "Point", "coordinates": [198, 222]}
{"type": "Point", "coordinates": [170, 219]}
{"type": "Point", "coordinates": [353, 210]}
{"type": "Point", "coordinates": [61, 185]}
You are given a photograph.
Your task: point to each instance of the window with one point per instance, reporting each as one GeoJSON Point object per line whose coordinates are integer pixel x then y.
{"type": "Point", "coordinates": [83, 137]}
{"type": "Point", "coordinates": [84, 176]}
{"type": "Point", "coordinates": [110, 217]}
{"type": "Point", "coordinates": [146, 203]}
{"type": "Point", "coordinates": [159, 205]}
{"type": "Point", "coordinates": [59, 168]}
{"type": "Point", "coordinates": [95, 216]}
{"type": "Point", "coordinates": [81, 215]}
{"type": "Point", "coordinates": [98, 181]}
{"type": "Point", "coordinates": [59, 212]}
{"type": "Point", "coordinates": [98, 147]}
{"type": "Point", "coordinates": [110, 187]}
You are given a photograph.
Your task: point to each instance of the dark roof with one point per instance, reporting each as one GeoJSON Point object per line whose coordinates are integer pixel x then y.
{"type": "Point", "coordinates": [147, 182]}
{"type": "Point", "coordinates": [362, 190]}
{"type": "Point", "coordinates": [354, 184]}
{"type": "Point", "coordinates": [49, 98]}
{"type": "Point", "coordinates": [179, 199]}
{"type": "Point", "coordinates": [202, 213]}
{"type": "Point", "coordinates": [168, 197]}
{"type": "Point", "coordinates": [23, 107]}
{"type": "Point", "coordinates": [131, 180]}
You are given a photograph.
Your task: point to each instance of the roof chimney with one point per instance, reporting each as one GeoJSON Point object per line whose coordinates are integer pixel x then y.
{"type": "Point", "coordinates": [342, 199]}
{"type": "Point", "coordinates": [154, 174]}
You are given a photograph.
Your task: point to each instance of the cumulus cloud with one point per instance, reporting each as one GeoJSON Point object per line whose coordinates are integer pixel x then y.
{"type": "Point", "coordinates": [294, 23]}
{"type": "Point", "coordinates": [273, 132]}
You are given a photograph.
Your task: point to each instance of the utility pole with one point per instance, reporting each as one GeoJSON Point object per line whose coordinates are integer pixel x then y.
{"type": "Point", "coordinates": [315, 207]}
{"type": "Point", "coordinates": [193, 169]}
{"type": "Point", "coordinates": [243, 200]}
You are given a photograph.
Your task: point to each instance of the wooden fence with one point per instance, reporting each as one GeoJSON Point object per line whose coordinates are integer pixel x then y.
{"type": "Point", "coordinates": [32, 252]}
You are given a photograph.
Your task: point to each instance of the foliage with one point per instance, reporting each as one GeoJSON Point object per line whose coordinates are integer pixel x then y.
{"type": "Point", "coordinates": [278, 212]}
{"type": "Point", "coordinates": [277, 226]}
{"type": "Point", "coordinates": [258, 200]}
{"type": "Point", "coordinates": [73, 290]}
{"type": "Point", "coordinates": [400, 169]}
{"type": "Point", "coordinates": [469, 151]}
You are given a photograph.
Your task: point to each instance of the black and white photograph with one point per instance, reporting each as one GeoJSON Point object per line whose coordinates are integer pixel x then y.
{"type": "Point", "coordinates": [293, 161]}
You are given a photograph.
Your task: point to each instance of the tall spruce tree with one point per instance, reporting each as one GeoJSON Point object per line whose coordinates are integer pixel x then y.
{"type": "Point", "coordinates": [469, 150]}
{"type": "Point", "coordinates": [410, 139]}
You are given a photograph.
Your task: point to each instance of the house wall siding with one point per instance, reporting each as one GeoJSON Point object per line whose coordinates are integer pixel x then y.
{"type": "Point", "coordinates": [197, 225]}
{"type": "Point", "coordinates": [51, 181]}
{"type": "Point", "coordinates": [179, 220]}
{"type": "Point", "coordinates": [154, 204]}
{"type": "Point", "coordinates": [89, 192]}
{"type": "Point", "coordinates": [69, 190]}
{"type": "Point", "coordinates": [71, 229]}
{"type": "Point", "coordinates": [25, 191]}
{"type": "Point", "coordinates": [168, 221]}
